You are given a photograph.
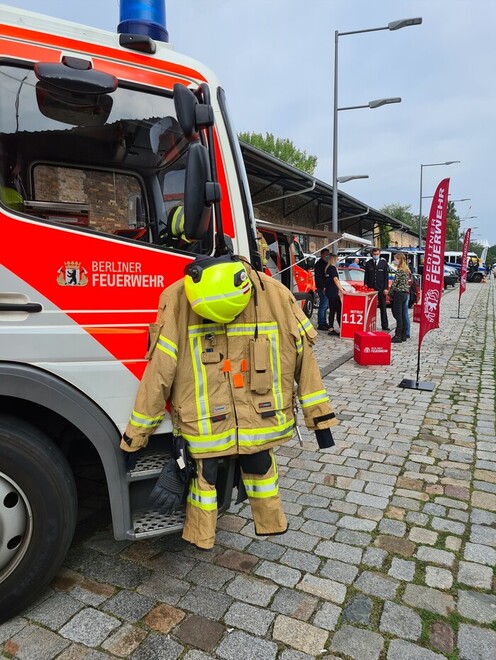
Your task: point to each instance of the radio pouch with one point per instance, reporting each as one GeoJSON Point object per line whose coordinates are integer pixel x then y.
{"type": "Point", "coordinates": [260, 371]}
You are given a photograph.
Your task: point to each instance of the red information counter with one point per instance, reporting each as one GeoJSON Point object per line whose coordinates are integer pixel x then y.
{"type": "Point", "coordinates": [358, 314]}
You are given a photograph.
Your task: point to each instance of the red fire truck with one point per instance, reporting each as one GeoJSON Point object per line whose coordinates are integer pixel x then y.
{"type": "Point", "coordinates": [105, 139]}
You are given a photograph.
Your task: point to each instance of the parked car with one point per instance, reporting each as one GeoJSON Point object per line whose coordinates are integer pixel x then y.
{"type": "Point", "coordinates": [354, 276]}
{"type": "Point", "coordinates": [451, 276]}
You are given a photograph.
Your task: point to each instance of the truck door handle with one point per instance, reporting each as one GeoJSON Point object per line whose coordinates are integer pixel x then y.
{"type": "Point", "coordinates": [30, 307]}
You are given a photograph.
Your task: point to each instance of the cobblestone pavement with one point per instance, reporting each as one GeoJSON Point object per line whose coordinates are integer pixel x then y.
{"type": "Point", "coordinates": [391, 550]}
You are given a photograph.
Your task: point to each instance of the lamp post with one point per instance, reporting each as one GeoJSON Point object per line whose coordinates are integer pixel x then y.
{"type": "Point", "coordinates": [448, 162]}
{"type": "Point", "coordinates": [351, 177]}
{"type": "Point", "coordinates": [394, 25]}
{"type": "Point", "coordinates": [467, 217]}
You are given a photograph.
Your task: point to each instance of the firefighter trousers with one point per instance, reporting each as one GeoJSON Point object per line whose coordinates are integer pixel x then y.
{"type": "Point", "coordinates": [259, 474]}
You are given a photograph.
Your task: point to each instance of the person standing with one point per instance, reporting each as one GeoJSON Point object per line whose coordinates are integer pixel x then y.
{"type": "Point", "coordinates": [399, 293]}
{"type": "Point", "coordinates": [355, 263]}
{"type": "Point", "coordinates": [334, 292]}
{"type": "Point", "coordinates": [320, 284]}
{"type": "Point", "coordinates": [376, 277]}
{"type": "Point", "coordinates": [227, 348]}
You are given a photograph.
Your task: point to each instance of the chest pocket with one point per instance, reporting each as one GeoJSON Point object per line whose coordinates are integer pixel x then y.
{"type": "Point", "coordinates": [260, 369]}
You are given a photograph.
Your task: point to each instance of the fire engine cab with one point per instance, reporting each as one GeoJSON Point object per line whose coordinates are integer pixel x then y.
{"type": "Point", "coordinates": [119, 164]}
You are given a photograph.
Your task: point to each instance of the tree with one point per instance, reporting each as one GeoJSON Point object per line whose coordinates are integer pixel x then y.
{"type": "Point", "coordinates": [403, 214]}
{"type": "Point", "coordinates": [283, 149]}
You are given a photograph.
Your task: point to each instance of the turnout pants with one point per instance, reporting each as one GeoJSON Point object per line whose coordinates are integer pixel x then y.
{"type": "Point", "coordinates": [259, 474]}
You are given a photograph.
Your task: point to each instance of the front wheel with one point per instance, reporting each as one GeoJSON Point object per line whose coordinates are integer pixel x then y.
{"type": "Point", "coordinates": [38, 510]}
{"type": "Point", "coordinates": [308, 304]}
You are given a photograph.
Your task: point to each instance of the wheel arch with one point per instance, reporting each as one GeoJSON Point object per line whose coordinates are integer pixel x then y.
{"type": "Point", "coordinates": [30, 384]}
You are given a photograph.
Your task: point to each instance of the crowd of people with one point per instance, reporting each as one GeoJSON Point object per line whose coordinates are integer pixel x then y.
{"type": "Point", "coordinates": [376, 278]}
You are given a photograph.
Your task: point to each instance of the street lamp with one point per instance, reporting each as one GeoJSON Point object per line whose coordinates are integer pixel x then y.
{"type": "Point", "coordinates": [447, 162]}
{"type": "Point", "coordinates": [351, 177]}
{"type": "Point", "coordinates": [393, 25]}
{"type": "Point", "coordinates": [467, 217]}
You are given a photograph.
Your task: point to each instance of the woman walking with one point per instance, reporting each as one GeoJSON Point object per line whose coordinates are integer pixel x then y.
{"type": "Point", "coordinates": [398, 294]}
{"type": "Point", "coordinates": [334, 292]}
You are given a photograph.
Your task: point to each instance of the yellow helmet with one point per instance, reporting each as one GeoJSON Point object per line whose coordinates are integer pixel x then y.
{"type": "Point", "coordinates": [218, 288]}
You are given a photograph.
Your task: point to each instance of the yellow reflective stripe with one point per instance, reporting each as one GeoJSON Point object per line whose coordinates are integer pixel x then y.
{"type": "Point", "coordinates": [251, 437]}
{"type": "Point", "coordinates": [299, 346]}
{"type": "Point", "coordinates": [306, 325]}
{"type": "Point", "coordinates": [219, 442]}
{"type": "Point", "coordinates": [177, 224]}
{"type": "Point", "coordinates": [205, 329]}
{"type": "Point", "coordinates": [201, 391]}
{"type": "Point", "coordinates": [313, 399]}
{"type": "Point", "coordinates": [263, 488]}
{"type": "Point", "coordinates": [202, 499]}
{"type": "Point", "coordinates": [249, 328]}
{"type": "Point", "coordinates": [143, 421]}
{"type": "Point", "coordinates": [167, 346]}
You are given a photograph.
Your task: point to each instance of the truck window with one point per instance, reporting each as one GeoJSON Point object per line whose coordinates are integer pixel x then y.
{"type": "Point", "coordinates": [121, 173]}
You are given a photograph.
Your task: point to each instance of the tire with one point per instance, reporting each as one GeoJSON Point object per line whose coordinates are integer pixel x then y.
{"type": "Point", "coordinates": [38, 511]}
{"type": "Point", "coordinates": [477, 278]}
{"type": "Point", "coordinates": [308, 304]}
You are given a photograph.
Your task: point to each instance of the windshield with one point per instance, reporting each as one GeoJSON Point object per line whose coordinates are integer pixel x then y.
{"type": "Point", "coordinates": [113, 163]}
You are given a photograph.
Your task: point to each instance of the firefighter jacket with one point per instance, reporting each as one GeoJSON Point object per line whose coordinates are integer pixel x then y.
{"type": "Point", "coordinates": [231, 387]}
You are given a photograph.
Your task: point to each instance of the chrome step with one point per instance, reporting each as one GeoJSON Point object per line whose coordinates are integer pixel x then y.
{"type": "Point", "coordinates": [152, 523]}
{"type": "Point", "coordinates": [147, 466]}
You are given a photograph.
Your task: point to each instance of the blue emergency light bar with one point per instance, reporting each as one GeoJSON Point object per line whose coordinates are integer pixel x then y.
{"type": "Point", "coordinates": [146, 17]}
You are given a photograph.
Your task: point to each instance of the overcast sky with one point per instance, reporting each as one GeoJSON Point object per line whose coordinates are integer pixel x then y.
{"type": "Point", "coordinates": [275, 58]}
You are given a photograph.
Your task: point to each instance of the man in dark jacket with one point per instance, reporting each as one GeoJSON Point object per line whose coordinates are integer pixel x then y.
{"type": "Point", "coordinates": [377, 277]}
{"type": "Point", "coordinates": [320, 283]}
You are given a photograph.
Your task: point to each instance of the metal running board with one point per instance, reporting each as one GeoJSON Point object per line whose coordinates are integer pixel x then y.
{"type": "Point", "coordinates": [147, 466]}
{"type": "Point", "coordinates": [152, 523]}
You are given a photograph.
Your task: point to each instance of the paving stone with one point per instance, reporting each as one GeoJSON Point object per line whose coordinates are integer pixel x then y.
{"type": "Point", "coordinates": [481, 554]}
{"type": "Point", "coordinates": [249, 618]}
{"type": "Point", "coordinates": [375, 584]}
{"type": "Point", "coordinates": [164, 587]}
{"type": "Point", "coordinates": [294, 603]}
{"type": "Point", "coordinates": [352, 538]}
{"type": "Point", "coordinates": [356, 524]}
{"type": "Point", "coordinates": [251, 590]}
{"type": "Point", "coordinates": [475, 575]}
{"type": "Point", "coordinates": [358, 610]}
{"type": "Point", "coordinates": [291, 654]}
{"type": "Point", "coordinates": [476, 643]}
{"type": "Point", "coordinates": [238, 644]}
{"type": "Point", "coordinates": [35, 643]}
{"type": "Point", "coordinates": [322, 515]}
{"type": "Point", "coordinates": [441, 637]}
{"type": "Point", "coordinates": [374, 557]}
{"type": "Point", "coordinates": [402, 570]}
{"type": "Point", "coordinates": [435, 556]}
{"type": "Point", "coordinates": [483, 535]}
{"type": "Point", "coordinates": [401, 650]}
{"type": "Point", "coordinates": [317, 528]}
{"type": "Point", "coordinates": [395, 545]}
{"type": "Point", "coordinates": [283, 575]}
{"type": "Point", "coordinates": [400, 621]}
{"type": "Point", "coordinates": [339, 571]}
{"type": "Point", "coordinates": [438, 578]}
{"type": "Point", "coordinates": [357, 643]}
{"type": "Point", "coordinates": [484, 500]}
{"type": "Point", "coordinates": [323, 588]}
{"type": "Point", "coordinates": [299, 635]}
{"type": "Point", "coordinates": [421, 535]}
{"type": "Point", "coordinates": [92, 593]}
{"type": "Point", "coordinates": [55, 611]}
{"type": "Point", "coordinates": [116, 571]}
{"type": "Point", "coordinates": [209, 603]}
{"type": "Point", "coordinates": [123, 642]}
{"type": "Point", "coordinates": [262, 549]}
{"type": "Point", "coordinates": [163, 618]}
{"type": "Point", "coordinates": [11, 628]}
{"type": "Point", "coordinates": [89, 627]}
{"type": "Point", "coordinates": [476, 606]}
{"type": "Point", "coordinates": [443, 525]}
{"type": "Point", "coordinates": [339, 551]}
{"type": "Point", "coordinates": [129, 605]}
{"type": "Point", "coordinates": [158, 647]}
{"type": "Point", "coordinates": [301, 560]}
{"type": "Point", "coordinates": [200, 632]}
{"type": "Point", "coordinates": [428, 599]}
{"type": "Point", "coordinates": [392, 527]}
{"type": "Point", "coordinates": [327, 617]}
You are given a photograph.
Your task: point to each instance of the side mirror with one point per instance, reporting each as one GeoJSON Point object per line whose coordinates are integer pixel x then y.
{"type": "Point", "coordinates": [200, 192]}
{"type": "Point", "coordinates": [191, 115]}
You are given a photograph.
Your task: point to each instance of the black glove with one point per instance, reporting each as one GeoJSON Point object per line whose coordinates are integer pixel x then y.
{"type": "Point", "coordinates": [324, 438]}
{"type": "Point", "coordinates": [168, 492]}
{"type": "Point", "coordinates": [185, 465]}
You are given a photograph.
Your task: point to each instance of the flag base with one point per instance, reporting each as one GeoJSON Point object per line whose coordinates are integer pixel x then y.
{"type": "Point", "coordinates": [417, 385]}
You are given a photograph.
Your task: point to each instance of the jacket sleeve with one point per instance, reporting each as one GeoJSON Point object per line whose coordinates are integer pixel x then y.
{"type": "Point", "coordinates": [155, 386]}
{"type": "Point", "coordinates": [311, 392]}
{"type": "Point", "coordinates": [367, 277]}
